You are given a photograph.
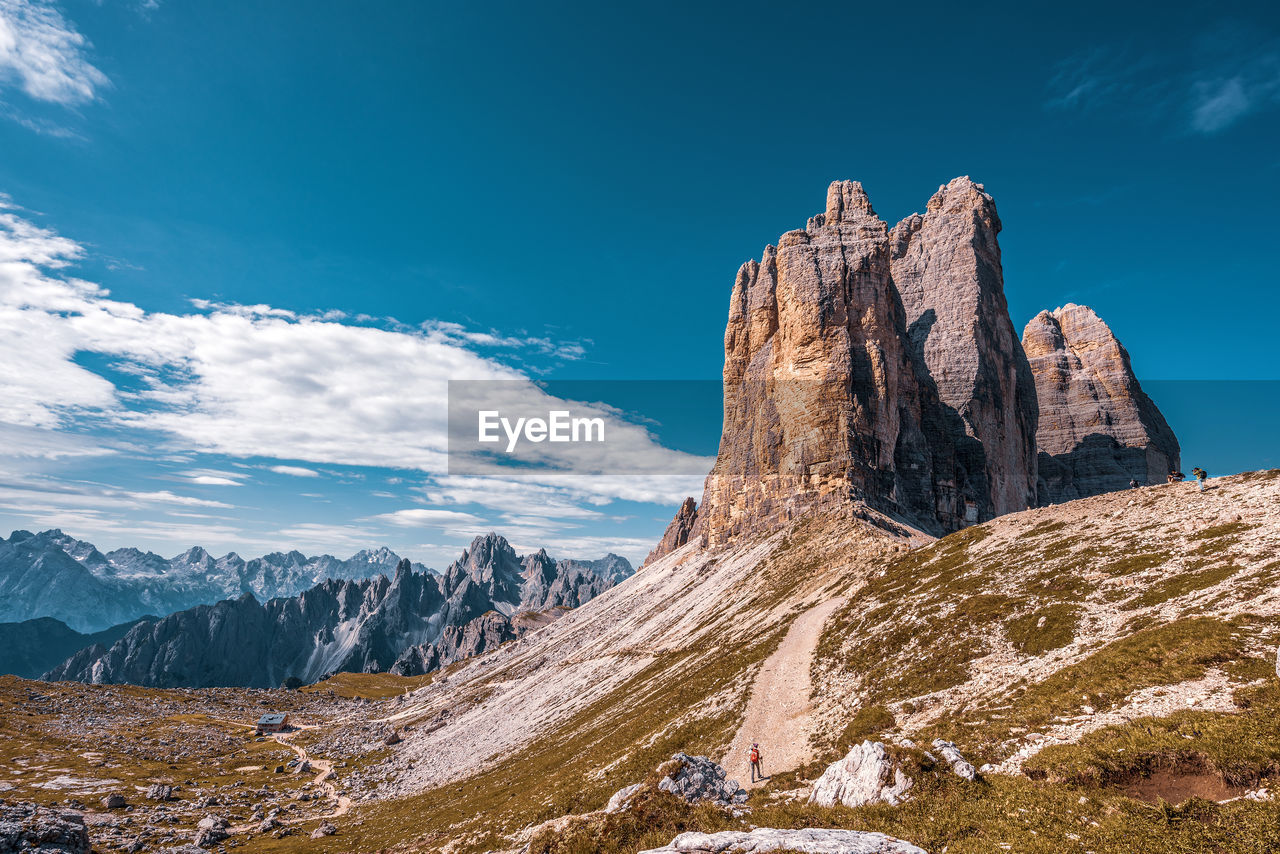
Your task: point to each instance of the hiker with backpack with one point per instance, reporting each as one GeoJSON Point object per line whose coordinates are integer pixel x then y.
{"type": "Point", "coordinates": [1200, 475]}
{"type": "Point", "coordinates": [756, 768]}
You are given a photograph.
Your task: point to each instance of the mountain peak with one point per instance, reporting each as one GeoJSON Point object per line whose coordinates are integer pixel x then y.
{"type": "Point", "coordinates": [1098, 430]}
{"type": "Point", "coordinates": [847, 201]}
{"type": "Point", "coordinates": [195, 554]}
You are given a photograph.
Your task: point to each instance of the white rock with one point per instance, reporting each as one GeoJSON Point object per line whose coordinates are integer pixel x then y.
{"type": "Point", "coordinates": [866, 775]}
{"type": "Point", "coordinates": [809, 840]}
{"type": "Point", "coordinates": [953, 757]}
{"type": "Point", "coordinates": [622, 798]}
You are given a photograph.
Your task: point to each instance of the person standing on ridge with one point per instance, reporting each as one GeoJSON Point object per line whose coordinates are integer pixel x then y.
{"type": "Point", "coordinates": [756, 768]}
{"type": "Point", "coordinates": [1200, 475]}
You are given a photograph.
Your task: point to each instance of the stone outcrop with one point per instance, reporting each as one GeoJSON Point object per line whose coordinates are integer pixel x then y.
{"type": "Point", "coordinates": [946, 268]}
{"type": "Point", "coordinates": [866, 775]}
{"type": "Point", "coordinates": [697, 778]}
{"type": "Point", "coordinates": [879, 367]}
{"type": "Point", "coordinates": [681, 529]}
{"type": "Point", "coordinates": [1098, 430]}
{"type": "Point", "coordinates": [27, 827]}
{"type": "Point", "coordinates": [952, 756]}
{"type": "Point", "coordinates": [807, 840]}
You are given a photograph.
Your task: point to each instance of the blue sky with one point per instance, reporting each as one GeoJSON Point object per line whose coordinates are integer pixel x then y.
{"type": "Point", "coordinates": [299, 218]}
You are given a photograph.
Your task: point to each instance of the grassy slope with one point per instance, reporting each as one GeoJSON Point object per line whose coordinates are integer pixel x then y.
{"type": "Point", "coordinates": [1035, 621]}
{"type": "Point", "coordinates": [983, 637]}
{"type": "Point", "coordinates": [688, 698]}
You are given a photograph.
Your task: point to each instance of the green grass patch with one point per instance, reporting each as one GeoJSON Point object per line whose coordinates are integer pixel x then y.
{"type": "Point", "coordinates": [868, 721]}
{"type": "Point", "coordinates": [1182, 584]}
{"type": "Point", "coordinates": [1162, 655]}
{"type": "Point", "coordinates": [1241, 748]}
{"type": "Point", "coordinates": [1050, 627]}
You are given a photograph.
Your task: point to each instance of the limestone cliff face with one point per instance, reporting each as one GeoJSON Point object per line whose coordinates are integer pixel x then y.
{"type": "Point", "coordinates": [946, 267]}
{"type": "Point", "coordinates": [823, 405]}
{"type": "Point", "coordinates": [1098, 429]}
{"type": "Point", "coordinates": [866, 366]}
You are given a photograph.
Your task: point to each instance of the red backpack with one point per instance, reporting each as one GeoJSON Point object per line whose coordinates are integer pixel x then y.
{"type": "Point", "coordinates": [755, 755]}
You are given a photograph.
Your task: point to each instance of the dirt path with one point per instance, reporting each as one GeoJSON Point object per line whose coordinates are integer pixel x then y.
{"type": "Point", "coordinates": [777, 715]}
{"type": "Point", "coordinates": [324, 772]}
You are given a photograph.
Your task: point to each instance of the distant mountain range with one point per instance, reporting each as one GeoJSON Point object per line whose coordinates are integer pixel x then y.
{"type": "Point", "coordinates": [410, 622]}
{"type": "Point", "coordinates": [51, 574]}
{"type": "Point", "coordinates": [30, 648]}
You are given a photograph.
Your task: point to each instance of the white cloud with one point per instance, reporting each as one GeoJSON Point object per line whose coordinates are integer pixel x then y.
{"type": "Point", "coordinates": [295, 471]}
{"type": "Point", "coordinates": [422, 517]}
{"type": "Point", "coordinates": [215, 477]}
{"type": "Point", "coordinates": [258, 382]}
{"type": "Point", "coordinates": [214, 480]}
{"type": "Point", "coordinates": [43, 54]}
{"type": "Point", "coordinates": [1206, 87]}
{"type": "Point", "coordinates": [1218, 105]}
{"type": "Point", "coordinates": [275, 389]}
{"type": "Point", "coordinates": [164, 496]}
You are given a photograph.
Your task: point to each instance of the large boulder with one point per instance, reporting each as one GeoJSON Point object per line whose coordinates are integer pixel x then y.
{"type": "Point", "coordinates": [27, 827]}
{"type": "Point", "coordinates": [211, 830]}
{"type": "Point", "coordinates": [621, 799]}
{"type": "Point", "coordinates": [808, 840]}
{"type": "Point", "coordinates": [697, 778]}
{"type": "Point", "coordinates": [160, 792]}
{"type": "Point", "coordinates": [866, 775]}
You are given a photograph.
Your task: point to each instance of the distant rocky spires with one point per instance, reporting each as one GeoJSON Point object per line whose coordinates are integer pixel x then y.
{"type": "Point", "coordinates": [878, 366]}
{"type": "Point", "coordinates": [408, 622]}
{"type": "Point", "coordinates": [1098, 429]}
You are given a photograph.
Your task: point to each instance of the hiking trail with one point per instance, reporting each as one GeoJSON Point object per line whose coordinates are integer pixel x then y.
{"type": "Point", "coordinates": [777, 715]}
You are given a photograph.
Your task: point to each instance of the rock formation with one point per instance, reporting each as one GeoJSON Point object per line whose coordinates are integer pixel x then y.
{"type": "Point", "coordinates": [879, 367]}
{"type": "Point", "coordinates": [807, 840]}
{"type": "Point", "coordinates": [866, 775]}
{"type": "Point", "coordinates": [953, 757]}
{"type": "Point", "coordinates": [946, 267]}
{"type": "Point", "coordinates": [28, 827]}
{"type": "Point", "coordinates": [412, 621]}
{"type": "Point", "coordinates": [681, 529]}
{"type": "Point", "coordinates": [1098, 430]}
{"type": "Point", "coordinates": [697, 778]}
{"type": "Point", "coordinates": [863, 365]}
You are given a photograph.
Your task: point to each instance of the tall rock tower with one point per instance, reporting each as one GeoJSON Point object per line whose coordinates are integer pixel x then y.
{"type": "Point", "coordinates": [878, 367]}
{"type": "Point", "coordinates": [946, 267]}
{"type": "Point", "coordinates": [822, 402]}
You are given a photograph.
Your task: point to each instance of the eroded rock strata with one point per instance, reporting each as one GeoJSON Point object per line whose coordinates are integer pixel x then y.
{"type": "Point", "coordinates": [1098, 430]}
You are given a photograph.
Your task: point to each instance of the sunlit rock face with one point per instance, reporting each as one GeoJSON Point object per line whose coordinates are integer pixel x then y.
{"type": "Point", "coordinates": [1098, 430]}
{"type": "Point", "coordinates": [845, 385]}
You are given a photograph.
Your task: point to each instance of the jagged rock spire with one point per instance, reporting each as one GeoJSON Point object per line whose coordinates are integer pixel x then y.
{"type": "Point", "coordinates": [946, 268]}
